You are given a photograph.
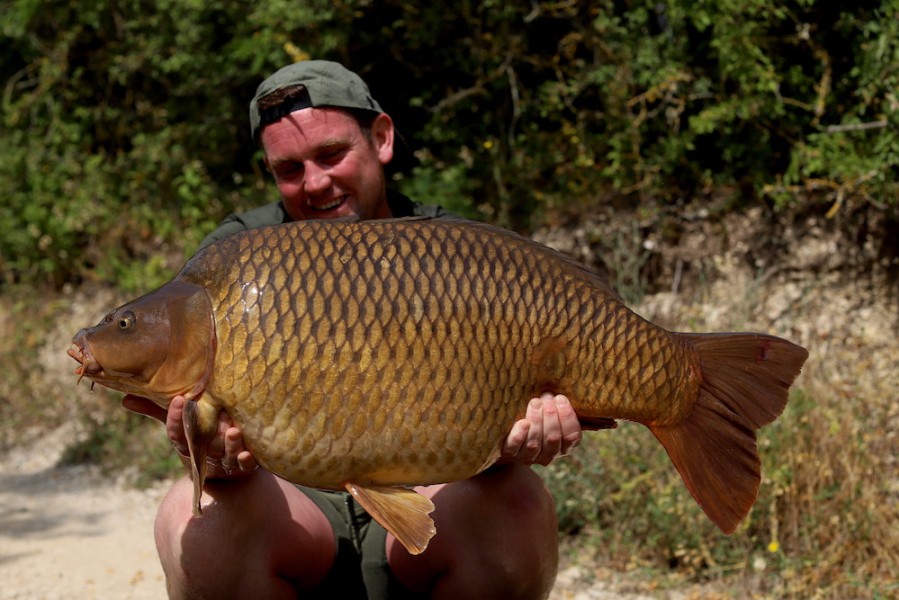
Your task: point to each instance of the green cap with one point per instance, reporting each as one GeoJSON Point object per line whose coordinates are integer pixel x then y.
{"type": "Point", "coordinates": [326, 83]}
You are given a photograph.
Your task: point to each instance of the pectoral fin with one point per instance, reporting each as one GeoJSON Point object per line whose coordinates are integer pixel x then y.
{"type": "Point", "coordinates": [401, 511]}
{"type": "Point", "coordinates": [200, 425]}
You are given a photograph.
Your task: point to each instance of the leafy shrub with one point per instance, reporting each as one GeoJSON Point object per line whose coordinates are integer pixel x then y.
{"type": "Point", "coordinates": [124, 123]}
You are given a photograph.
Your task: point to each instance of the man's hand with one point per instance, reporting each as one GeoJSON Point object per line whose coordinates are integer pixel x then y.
{"type": "Point", "coordinates": [226, 457]}
{"type": "Point", "coordinates": [549, 430]}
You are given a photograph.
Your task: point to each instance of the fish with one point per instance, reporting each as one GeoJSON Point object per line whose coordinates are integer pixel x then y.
{"type": "Point", "coordinates": [374, 356]}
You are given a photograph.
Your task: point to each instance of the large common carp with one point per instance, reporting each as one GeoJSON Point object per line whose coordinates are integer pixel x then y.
{"type": "Point", "coordinates": [376, 355]}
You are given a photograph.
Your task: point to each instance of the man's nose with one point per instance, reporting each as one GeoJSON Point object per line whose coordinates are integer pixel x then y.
{"type": "Point", "coordinates": [316, 180]}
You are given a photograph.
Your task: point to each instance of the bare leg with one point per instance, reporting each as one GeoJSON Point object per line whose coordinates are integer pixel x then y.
{"type": "Point", "coordinates": [497, 537]}
{"type": "Point", "coordinates": [259, 537]}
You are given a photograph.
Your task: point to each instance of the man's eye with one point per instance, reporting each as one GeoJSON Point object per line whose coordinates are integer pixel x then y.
{"type": "Point", "coordinates": [333, 156]}
{"type": "Point", "coordinates": [288, 170]}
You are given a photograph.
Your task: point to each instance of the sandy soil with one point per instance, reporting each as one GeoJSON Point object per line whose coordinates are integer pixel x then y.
{"type": "Point", "coordinates": [70, 532]}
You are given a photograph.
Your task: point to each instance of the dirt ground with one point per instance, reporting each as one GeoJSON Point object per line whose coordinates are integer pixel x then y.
{"type": "Point", "coordinates": [71, 532]}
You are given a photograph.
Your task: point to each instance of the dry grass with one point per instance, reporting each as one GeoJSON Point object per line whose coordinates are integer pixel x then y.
{"type": "Point", "coordinates": [824, 524]}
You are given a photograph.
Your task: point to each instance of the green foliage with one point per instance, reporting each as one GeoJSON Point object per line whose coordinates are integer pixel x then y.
{"type": "Point", "coordinates": [858, 154]}
{"type": "Point", "coordinates": [124, 127]}
{"type": "Point", "coordinates": [442, 185]}
{"type": "Point", "coordinates": [121, 134]}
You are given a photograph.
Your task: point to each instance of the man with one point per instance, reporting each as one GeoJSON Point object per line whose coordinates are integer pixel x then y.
{"type": "Point", "coordinates": [326, 142]}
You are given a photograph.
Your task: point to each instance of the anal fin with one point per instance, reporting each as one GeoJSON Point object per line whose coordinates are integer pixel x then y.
{"type": "Point", "coordinates": [401, 511]}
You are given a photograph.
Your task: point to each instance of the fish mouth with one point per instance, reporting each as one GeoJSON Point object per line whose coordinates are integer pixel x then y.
{"type": "Point", "coordinates": [82, 354]}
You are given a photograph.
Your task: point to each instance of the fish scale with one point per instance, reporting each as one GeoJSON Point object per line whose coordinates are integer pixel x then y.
{"type": "Point", "coordinates": [375, 355]}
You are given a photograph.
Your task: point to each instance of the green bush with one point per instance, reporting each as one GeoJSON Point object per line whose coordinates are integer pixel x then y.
{"type": "Point", "coordinates": [124, 128]}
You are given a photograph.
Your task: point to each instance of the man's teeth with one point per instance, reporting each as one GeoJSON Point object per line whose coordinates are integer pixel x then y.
{"type": "Point", "coordinates": [333, 204]}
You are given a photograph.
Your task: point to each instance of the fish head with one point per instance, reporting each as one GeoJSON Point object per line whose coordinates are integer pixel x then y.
{"type": "Point", "coordinates": [158, 346]}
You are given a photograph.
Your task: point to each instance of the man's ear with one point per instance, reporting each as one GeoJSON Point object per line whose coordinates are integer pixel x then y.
{"type": "Point", "coordinates": [382, 137]}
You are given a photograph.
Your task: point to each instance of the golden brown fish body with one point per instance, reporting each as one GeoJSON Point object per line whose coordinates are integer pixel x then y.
{"type": "Point", "coordinates": [367, 355]}
{"type": "Point", "coordinates": [365, 352]}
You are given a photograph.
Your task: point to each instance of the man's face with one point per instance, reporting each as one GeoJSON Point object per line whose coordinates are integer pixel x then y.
{"type": "Point", "coordinates": [326, 167]}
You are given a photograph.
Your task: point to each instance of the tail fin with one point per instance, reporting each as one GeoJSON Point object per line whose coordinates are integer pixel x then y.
{"type": "Point", "coordinates": [745, 383]}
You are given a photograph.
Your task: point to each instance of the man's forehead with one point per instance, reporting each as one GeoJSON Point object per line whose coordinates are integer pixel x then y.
{"type": "Point", "coordinates": [313, 128]}
{"type": "Point", "coordinates": [312, 119]}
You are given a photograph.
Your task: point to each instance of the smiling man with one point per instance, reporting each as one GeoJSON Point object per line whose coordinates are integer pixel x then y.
{"type": "Point", "coordinates": [326, 142]}
{"type": "Point", "coordinates": [327, 166]}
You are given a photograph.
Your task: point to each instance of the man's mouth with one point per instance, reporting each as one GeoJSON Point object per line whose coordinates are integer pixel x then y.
{"type": "Point", "coordinates": [331, 205]}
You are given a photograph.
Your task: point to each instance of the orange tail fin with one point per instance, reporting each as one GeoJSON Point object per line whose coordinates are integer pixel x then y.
{"type": "Point", "coordinates": [745, 383]}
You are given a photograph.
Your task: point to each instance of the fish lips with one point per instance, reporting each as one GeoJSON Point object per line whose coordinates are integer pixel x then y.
{"type": "Point", "coordinates": [80, 351]}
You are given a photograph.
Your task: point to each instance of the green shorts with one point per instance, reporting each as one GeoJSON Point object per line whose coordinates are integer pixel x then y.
{"type": "Point", "coordinates": [360, 567]}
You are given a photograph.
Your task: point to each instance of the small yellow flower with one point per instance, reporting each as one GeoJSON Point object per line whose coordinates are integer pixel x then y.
{"type": "Point", "coordinates": [773, 547]}
{"type": "Point", "coordinates": [488, 144]}
{"type": "Point", "coordinates": [296, 54]}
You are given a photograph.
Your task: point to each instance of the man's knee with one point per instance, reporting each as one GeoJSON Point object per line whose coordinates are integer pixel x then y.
{"type": "Point", "coordinates": [518, 521]}
{"type": "Point", "coordinates": [529, 538]}
{"type": "Point", "coordinates": [193, 550]}
{"type": "Point", "coordinates": [497, 537]}
{"type": "Point", "coordinates": [532, 491]}
{"type": "Point", "coordinates": [171, 519]}
{"type": "Point", "coordinates": [255, 534]}
{"type": "Point", "coordinates": [518, 494]}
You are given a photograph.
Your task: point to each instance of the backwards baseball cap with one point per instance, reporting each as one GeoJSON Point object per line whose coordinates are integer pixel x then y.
{"type": "Point", "coordinates": [324, 83]}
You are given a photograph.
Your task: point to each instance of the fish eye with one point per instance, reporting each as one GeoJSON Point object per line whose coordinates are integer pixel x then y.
{"type": "Point", "coordinates": [125, 321]}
